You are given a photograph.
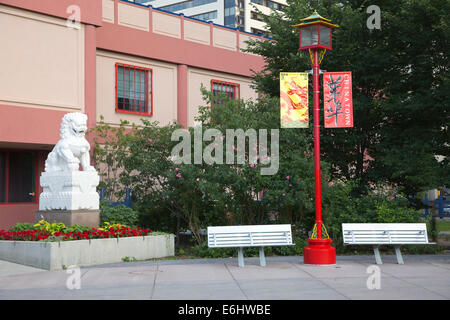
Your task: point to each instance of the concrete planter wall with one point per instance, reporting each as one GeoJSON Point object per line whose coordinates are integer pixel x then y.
{"type": "Point", "coordinates": [53, 255]}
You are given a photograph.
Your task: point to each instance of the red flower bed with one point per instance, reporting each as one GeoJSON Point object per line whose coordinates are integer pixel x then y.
{"type": "Point", "coordinates": [37, 235]}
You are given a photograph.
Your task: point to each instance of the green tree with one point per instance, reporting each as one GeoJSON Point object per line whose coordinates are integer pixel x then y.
{"type": "Point", "coordinates": [286, 196]}
{"type": "Point", "coordinates": [400, 87]}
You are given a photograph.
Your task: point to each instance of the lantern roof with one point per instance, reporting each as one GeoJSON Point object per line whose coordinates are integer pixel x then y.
{"type": "Point", "coordinates": [316, 18]}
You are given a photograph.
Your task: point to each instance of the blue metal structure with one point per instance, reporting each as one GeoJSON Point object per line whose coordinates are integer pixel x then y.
{"type": "Point", "coordinates": [441, 204]}
{"type": "Point", "coordinates": [127, 201]}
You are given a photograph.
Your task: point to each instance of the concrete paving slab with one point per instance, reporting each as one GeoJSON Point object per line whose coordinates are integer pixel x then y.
{"type": "Point", "coordinates": [397, 293]}
{"type": "Point", "coordinates": [416, 269]}
{"type": "Point", "coordinates": [440, 264]}
{"type": "Point", "coordinates": [33, 294]}
{"type": "Point", "coordinates": [284, 278]}
{"type": "Point", "coordinates": [341, 269]}
{"type": "Point", "coordinates": [119, 276]}
{"type": "Point", "coordinates": [53, 279]}
{"type": "Point", "coordinates": [431, 280]}
{"type": "Point", "coordinates": [9, 268]}
{"type": "Point", "coordinates": [136, 291]}
{"type": "Point", "coordinates": [288, 289]}
{"type": "Point", "coordinates": [360, 283]}
{"type": "Point", "coordinates": [273, 270]}
{"type": "Point", "coordinates": [193, 272]}
{"type": "Point", "coordinates": [198, 290]}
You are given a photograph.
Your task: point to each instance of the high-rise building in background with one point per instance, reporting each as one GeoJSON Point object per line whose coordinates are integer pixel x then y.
{"type": "Point", "coordinates": [239, 14]}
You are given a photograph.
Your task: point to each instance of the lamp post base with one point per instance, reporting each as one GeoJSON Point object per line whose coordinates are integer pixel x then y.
{"type": "Point", "coordinates": [319, 252]}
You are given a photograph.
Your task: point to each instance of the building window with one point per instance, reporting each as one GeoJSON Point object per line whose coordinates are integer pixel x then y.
{"type": "Point", "coordinates": [18, 177]}
{"type": "Point", "coordinates": [256, 16]}
{"type": "Point", "coordinates": [206, 16]}
{"type": "Point", "coordinates": [133, 90]}
{"type": "Point", "coordinates": [223, 89]}
{"type": "Point", "coordinates": [186, 4]}
{"type": "Point", "coordinates": [259, 32]}
{"type": "Point", "coordinates": [270, 4]}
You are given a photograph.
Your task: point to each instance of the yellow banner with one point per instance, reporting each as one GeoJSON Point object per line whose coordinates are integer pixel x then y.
{"type": "Point", "coordinates": [294, 100]}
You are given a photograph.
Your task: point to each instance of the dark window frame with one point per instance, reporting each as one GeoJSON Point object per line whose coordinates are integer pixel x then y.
{"type": "Point", "coordinates": [236, 86]}
{"type": "Point", "coordinates": [148, 89]}
{"type": "Point", "coordinates": [7, 182]}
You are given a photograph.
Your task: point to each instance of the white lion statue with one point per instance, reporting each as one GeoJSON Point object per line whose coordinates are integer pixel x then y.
{"type": "Point", "coordinates": [73, 148]}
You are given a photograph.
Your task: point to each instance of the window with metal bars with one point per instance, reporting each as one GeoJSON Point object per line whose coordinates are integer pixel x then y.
{"type": "Point", "coordinates": [133, 89]}
{"type": "Point", "coordinates": [223, 89]}
{"type": "Point", "coordinates": [18, 177]}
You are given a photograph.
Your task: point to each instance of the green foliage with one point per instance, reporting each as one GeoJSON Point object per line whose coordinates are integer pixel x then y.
{"type": "Point", "coordinates": [119, 214]}
{"type": "Point", "coordinates": [129, 259]}
{"type": "Point", "coordinates": [387, 213]}
{"type": "Point", "coordinates": [173, 197]}
{"type": "Point", "coordinates": [400, 88]}
{"type": "Point", "coordinates": [76, 228]}
{"type": "Point", "coordinates": [442, 226]}
{"type": "Point", "coordinates": [401, 85]}
{"type": "Point", "coordinates": [19, 226]}
{"type": "Point", "coordinates": [111, 147]}
{"type": "Point", "coordinates": [50, 227]}
{"type": "Point", "coordinates": [290, 190]}
{"type": "Point", "coordinates": [342, 206]}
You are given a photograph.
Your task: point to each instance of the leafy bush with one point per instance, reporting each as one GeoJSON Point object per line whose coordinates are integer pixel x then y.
{"type": "Point", "coordinates": [392, 212]}
{"type": "Point", "coordinates": [120, 214]}
{"type": "Point", "coordinates": [25, 226]}
{"type": "Point", "coordinates": [341, 205]}
{"type": "Point", "coordinates": [77, 228]}
{"type": "Point", "coordinates": [50, 227]}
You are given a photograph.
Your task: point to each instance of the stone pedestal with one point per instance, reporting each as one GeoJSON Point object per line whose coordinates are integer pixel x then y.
{"type": "Point", "coordinates": [89, 218]}
{"type": "Point", "coordinates": [69, 190]}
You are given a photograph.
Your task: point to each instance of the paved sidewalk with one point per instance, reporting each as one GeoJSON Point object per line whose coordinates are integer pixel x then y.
{"type": "Point", "coordinates": [422, 277]}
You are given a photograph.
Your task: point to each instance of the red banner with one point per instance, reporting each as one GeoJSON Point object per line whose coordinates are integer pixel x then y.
{"type": "Point", "coordinates": [338, 102]}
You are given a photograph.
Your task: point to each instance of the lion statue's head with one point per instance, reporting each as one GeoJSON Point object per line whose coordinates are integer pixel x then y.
{"type": "Point", "coordinates": [73, 125]}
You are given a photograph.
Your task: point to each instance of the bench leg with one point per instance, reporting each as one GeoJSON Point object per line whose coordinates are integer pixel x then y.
{"type": "Point", "coordinates": [262, 258]}
{"type": "Point", "coordinates": [240, 257]}
{"type": "Point", "coordinates": [398, 253]}
{"type": "Point", "coordinates": [377, 255]}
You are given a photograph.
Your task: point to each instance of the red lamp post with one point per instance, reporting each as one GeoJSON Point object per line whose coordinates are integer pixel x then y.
{"type": "Point", "coordinates": [315, 35]}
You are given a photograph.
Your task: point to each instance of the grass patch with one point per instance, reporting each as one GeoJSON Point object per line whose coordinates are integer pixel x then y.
{"type": "Point", "coordinates": [442, 225]}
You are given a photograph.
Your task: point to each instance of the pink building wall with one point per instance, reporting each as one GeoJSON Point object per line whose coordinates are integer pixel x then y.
{"type": "Point", "coordinates": [69, 69]}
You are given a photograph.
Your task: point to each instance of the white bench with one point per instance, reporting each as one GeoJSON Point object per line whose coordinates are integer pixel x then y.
{"type": "Point", "coordinates": [377, 234]}
{"type": "Point", "coordinates": [250, 236]}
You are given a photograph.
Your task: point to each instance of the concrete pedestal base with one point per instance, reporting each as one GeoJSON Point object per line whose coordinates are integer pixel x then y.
{"type": "Point", "coordinates": [73, 190]}
{"type": "Point", "coordinates": [89, 218]}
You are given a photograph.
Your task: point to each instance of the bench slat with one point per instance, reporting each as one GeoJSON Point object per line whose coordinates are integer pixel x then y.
{"type": "Point", "coordinates": [377, 234]}
{"type": "Point", "coordinates": [402, 236]}
{"type": "Point", "coordinates": [247, 236]}
{"type": "Point", "coordinates": [243, 245]}
{"type": "Point", "coordinates": [382, 233]}
{"type": "Point", "coordinates": [254, 234]}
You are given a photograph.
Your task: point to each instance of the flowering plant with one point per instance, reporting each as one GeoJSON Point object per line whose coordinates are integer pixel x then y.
{"type": "Point", "coordinates": [115, 226]}
{"type": "Point", "coordinates": [65, 234]}
{"type": "Point", "coordinates": [50, 227]}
